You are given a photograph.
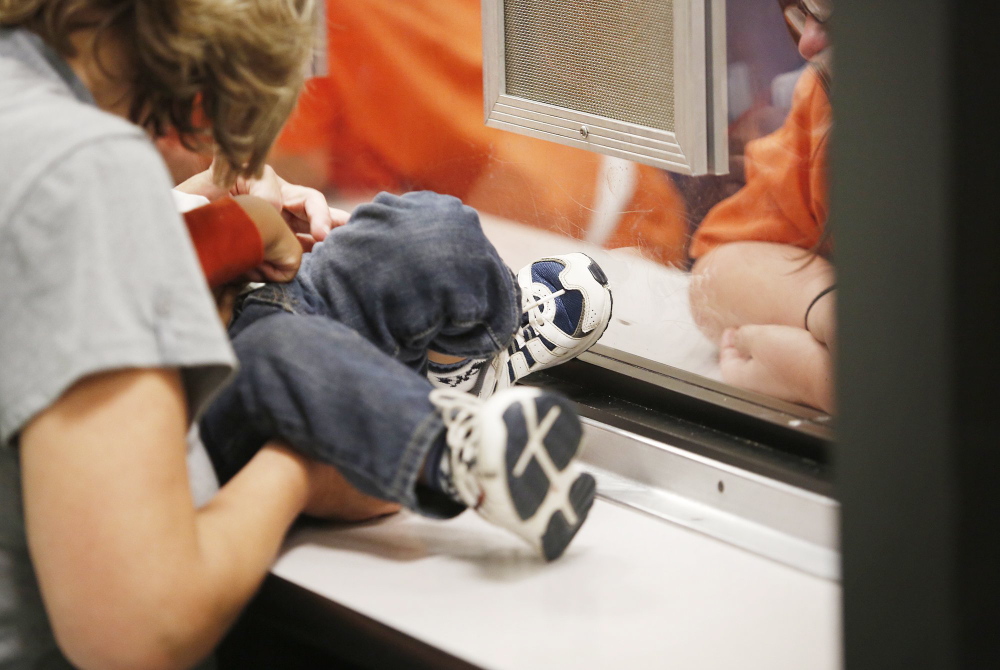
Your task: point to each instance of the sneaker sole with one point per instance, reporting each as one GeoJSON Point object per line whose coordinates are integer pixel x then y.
{"type": "Point", "coordinates": [559, 532]}
{"type": "Point", "coordinates": [541, 493]}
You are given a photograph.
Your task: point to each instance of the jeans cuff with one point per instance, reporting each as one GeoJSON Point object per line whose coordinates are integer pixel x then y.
{"type": "Point", "coordinates": [435, 504]}
{"type": "Point", "coordinates": [405, 487]}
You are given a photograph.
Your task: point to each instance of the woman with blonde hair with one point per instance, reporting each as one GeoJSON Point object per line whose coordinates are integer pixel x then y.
{"type": "Point", "coordinates": [110, 345]}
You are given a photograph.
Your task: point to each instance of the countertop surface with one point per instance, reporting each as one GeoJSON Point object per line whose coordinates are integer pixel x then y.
{"type": "Point", "coordinates": [631, 592]}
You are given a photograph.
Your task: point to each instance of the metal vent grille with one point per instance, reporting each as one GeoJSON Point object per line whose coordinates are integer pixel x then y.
{"type": "Point", "coordinates": [613, 58]}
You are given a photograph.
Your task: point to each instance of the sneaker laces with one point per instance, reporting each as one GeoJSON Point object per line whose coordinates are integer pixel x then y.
{"type": "Point", "coordinates": [532, 306]}
{"type": "Point", "coordinates": [459, 412]}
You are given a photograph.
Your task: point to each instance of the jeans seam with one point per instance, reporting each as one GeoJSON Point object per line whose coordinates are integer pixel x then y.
{"type": "Point", "coordinates": [266, 296]}
{"type": "Point", "coordinates": [498, 344]}
{"type": "Point", "coordinates": [515, 310]}
{"type": "Point", "coordinates": [403, 485]}
{"type": "Point", "coordinates": [283, 305]}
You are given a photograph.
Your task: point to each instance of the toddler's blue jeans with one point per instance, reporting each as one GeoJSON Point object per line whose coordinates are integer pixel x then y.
{"type": "Point", "coordinates": [334, 363]}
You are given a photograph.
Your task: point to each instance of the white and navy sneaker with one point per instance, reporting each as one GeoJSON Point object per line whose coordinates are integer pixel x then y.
{"type": "Point", "coordinates": [566, 307]}
{"type": "Point", "coordinates": [511, 459]}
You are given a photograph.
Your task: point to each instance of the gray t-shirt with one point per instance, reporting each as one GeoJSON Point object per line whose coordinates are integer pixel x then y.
{"type": "Point", "coordinates": [97, 273]}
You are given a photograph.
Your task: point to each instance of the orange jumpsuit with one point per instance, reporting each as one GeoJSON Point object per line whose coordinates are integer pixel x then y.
{"type": "Point", "coordinates": [402, 109]}
{"type": "Point", "coordinates": [785, 196]}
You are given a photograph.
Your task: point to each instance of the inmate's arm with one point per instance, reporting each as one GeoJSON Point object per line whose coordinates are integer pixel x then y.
{"type": "Point", "coordinates": [752, 298]}
{"type": "Point", "coordinates": [763, 283]}
{"type": "Point", "coordinates": [780, 361]}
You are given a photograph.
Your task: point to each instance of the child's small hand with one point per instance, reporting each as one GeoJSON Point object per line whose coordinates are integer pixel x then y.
{"type": "Point", "coordinates": [282, 250]}
{"type": "Point", "coordinates": [304, 209]}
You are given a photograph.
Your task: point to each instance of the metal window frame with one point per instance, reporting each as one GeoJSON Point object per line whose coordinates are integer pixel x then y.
{"type": "Point", "coordinates": [745, 473]}
{"type": "Point", "coordinates": [740, 441]}
{"type": "Point", "coordinates": [318, 64]}
{"type": "Point", "coordinates": [700, 44]}
{"type": "Point", "coordinates": [699, 144]}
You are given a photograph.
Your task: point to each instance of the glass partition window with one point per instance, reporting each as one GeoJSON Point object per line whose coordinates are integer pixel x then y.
{"type": "Point", "coordinates": [712, 275]}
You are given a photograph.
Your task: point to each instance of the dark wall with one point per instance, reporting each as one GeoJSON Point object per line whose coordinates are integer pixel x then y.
{"type": "Point", "coordinates": [916, 161]}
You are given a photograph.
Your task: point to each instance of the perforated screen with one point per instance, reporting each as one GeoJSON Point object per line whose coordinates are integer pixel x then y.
{"type": "Point", "coordinates": [613, 58]}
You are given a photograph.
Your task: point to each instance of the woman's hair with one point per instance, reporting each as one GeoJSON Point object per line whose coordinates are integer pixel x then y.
{"type": "Point", "coordinates": [226, 72]}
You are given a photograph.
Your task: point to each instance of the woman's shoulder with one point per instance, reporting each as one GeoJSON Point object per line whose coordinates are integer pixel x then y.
{"type": "Point", "coordinates": [45, 125]}
{"type": "Point", "coordinates": [116, 166]}
{"type": "Point", "coordinates": [34, 101]}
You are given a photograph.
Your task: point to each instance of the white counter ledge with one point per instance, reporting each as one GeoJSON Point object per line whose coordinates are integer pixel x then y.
{"type": "Point", "coordinates": [631, 592]}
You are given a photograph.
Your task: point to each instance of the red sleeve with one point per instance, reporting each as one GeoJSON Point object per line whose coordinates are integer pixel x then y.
{"type": "Point", "coordinates": [226, 239]}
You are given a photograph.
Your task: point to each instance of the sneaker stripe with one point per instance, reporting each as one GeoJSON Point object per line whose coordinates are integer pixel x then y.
{"type": "Point", "coordinates": [553, 290]}
{"type": "Point", "coordinates": [528, 358]}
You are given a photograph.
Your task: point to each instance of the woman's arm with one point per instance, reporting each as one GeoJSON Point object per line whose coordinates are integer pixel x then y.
{"type": "Point", "coordinates": [779, 361]}
{"type": "Point", "coordinates": [132, 575]}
